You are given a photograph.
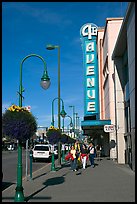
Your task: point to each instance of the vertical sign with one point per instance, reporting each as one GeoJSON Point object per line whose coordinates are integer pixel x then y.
{"type": "Point", "coordinates": [88, 33]}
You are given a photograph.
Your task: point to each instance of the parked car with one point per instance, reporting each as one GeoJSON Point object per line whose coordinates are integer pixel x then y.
{"type": "Point", "coordinates": [10, 147]}
{"type": "Point", "coordinates": [42, 151]}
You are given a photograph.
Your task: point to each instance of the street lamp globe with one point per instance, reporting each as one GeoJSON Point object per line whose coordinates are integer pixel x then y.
{"type": "Point", "coordinates": [71, 124]}
{"type": "Point", "coordinates": [45, 81]}
{"type": "Point", "coordinates": [63, 113]}
{"type": "Point", "coordinates": [50, 47]}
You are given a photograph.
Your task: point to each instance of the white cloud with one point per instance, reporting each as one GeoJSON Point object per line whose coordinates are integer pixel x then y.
{"type": "Point", "coordinates": [41, 14]}
{"type": "Point", "coordinates": [5, 106]}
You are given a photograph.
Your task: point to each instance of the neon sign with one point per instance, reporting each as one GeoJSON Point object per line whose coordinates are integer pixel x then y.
{"type": "Point", "coordinates": [88, 34]}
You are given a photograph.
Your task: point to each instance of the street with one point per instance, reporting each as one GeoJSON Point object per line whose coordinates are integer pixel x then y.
{"type": "Point", "coordinates": [9, 167]}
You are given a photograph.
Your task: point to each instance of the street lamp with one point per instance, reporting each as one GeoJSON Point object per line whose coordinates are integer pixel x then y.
{"type": "Point", "coordinates": [63, 147]}
{"type": "Point", "coordinates": [71, 124]}
{"type": "Point", "coordinates": [45, 83]}
{"type": "Point", "coordinates": [77, 126]}
{"type": "Point", "coordinates": [63, 114]}
{"type": "Point", "coordinates": [51, 47]}
{"type": "Point", "coordinates": [73, 108]}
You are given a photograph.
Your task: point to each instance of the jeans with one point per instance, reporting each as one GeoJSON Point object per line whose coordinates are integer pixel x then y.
{"type": "Point", "coordinates": [73, 164]}
{"type": "Point", "coordinates": [91, 159]}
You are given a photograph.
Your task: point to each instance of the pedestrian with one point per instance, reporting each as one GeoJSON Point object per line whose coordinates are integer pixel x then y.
{"type": "Point", "coordinates": [91, 151]}
{"type": "Point", "coordinates": [78, 149]}
{"type": "Point", "coordinates": [98, 150]}
{"type": "Point", "coordinates": [73, 160]}
{"type": "Point", "coordinates": [84, 155]}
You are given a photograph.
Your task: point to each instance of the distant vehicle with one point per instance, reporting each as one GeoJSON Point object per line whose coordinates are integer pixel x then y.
{"type": "Point", "coordinates": [42, 151]}
{"type": "Point", "coordinates": [10, 147]}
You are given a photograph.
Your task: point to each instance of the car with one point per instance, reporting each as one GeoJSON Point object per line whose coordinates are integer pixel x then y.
{"type": "Point", "coordinates": [42, 151]}
{"type": "Point", "coordinates": [11, 147]}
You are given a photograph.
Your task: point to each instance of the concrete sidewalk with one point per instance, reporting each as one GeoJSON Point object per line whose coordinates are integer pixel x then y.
{"type": "Point", "coordinates": [107, 182]}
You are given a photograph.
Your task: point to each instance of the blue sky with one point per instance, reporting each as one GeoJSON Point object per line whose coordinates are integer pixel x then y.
{"type": "Point", "coordinates": [27, 27]}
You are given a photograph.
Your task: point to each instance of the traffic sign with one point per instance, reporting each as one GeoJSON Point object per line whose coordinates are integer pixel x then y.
{"type": "Point", "coordinates": [109, 128]}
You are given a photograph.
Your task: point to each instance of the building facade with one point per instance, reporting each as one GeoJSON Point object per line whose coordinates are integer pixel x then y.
{"type": "Point", "coordinates": [124, 66]}
{"type": "Point", "coordinates": [116, 71]}
{"type": "Point", "coordinates": [110, 35]}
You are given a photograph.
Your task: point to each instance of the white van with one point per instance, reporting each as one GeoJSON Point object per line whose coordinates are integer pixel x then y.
{"type": "Point", "coordinates": [42, 151]}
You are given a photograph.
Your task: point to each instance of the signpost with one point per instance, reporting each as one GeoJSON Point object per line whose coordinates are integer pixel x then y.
{"type": "Point", "coordinates": [109, 128]}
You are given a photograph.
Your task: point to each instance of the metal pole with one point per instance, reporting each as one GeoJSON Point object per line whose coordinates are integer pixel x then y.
{"type": "Point", "coordinates": [63, 124]}
{"type": "Point", "coordinates": [53, 162]}
{"type": "Point", "coordinates": [76, 123]}
{"type": "Point", "coordinates": [26, 159]}
{"type": "Point", "coordinates": [52, 123]}
{"type": "Point", "coordinates": [74, 119]}
{"type": "Point", "coordinates": [31, 155]}
{"type": "Point", "coordinates": [59, 144]}
{"type": "Point", "coordinates": [19, 195]}
{"type": "Point", "coordinates": [58, 87]}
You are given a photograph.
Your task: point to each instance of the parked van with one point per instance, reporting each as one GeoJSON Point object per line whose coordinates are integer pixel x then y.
{"type": "Point", "coordinates": [42, 151]}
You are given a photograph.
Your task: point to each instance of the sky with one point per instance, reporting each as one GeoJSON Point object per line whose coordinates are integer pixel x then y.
{"type": "Point", "coordinates": [27, 27]}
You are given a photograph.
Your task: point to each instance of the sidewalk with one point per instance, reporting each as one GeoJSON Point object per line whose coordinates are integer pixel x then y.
{"type": "Point", "coordinates": [107, 182]}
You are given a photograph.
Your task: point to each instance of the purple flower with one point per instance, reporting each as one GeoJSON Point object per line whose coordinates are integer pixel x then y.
{"type": "Point", "coordinates": [19, 125]}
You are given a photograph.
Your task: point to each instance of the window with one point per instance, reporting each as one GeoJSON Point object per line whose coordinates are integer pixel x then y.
{"type": "Point", "coordinates": [41, 148]}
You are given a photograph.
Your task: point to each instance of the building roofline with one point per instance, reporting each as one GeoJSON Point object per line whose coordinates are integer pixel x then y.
{"type": "Point", "coordinates": [122, 32]}
{"type": "Point", "coordinates": [110, 19]}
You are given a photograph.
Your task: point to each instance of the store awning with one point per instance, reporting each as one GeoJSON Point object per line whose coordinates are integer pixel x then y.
{"type": "Point", "coordinates": [95, 123]}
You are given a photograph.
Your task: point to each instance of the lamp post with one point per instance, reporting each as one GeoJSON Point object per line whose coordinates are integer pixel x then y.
{"type": "Point", "coordinates": [45, 83]}
{"type": "Point", "coordinates": [51, 47]}
{"type": "Point", "coordinates": [63, 147]}
{"type": "Point", "coordinates": [73, 108]}
{"type": "Point", "coordinates": [63, 114]}
{"type": "Point", "coordinates": [77, 129]}
{"type": "Point", "coordinates": [71, 124]}
{"type": "Point", "coordinates": [76, 114]}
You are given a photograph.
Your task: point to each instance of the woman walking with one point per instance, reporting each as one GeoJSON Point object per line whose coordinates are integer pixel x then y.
{"type": "Point", "coordinates": [73, 161]}
{"type": "Point", "coordinates": [84, 155]}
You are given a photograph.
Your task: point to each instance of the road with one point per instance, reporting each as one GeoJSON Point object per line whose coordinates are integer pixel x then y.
{"type": "Point", "coordinates": [9, 167]}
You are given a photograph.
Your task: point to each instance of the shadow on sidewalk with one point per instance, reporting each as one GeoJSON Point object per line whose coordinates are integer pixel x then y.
{"type": "Point", "coordinates": [41, 175]}
{"type": "Point", "coordinates": [48, 182]}
{"type": "Point", "coordinates": [6, 185]}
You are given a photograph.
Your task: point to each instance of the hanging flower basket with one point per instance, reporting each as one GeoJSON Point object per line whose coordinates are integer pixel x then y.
{"type": "Point", "coordinates": [53, 135]}
{"type": "Point", "coordinates": [71, 140]}
{"type": "Point", "coordinates": [64, 138]}
{"type": "Point", "coordinates": [18, 123]}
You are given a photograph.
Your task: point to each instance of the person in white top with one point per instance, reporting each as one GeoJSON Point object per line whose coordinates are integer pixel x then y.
{"type": "Point", "coordinates": [91, 150]}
